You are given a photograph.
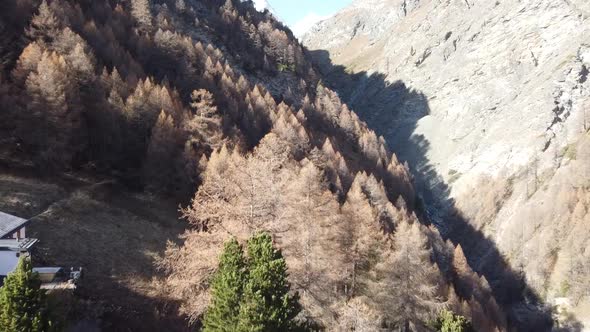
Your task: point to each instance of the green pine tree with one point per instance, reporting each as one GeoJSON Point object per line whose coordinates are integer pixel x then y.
{"type": "Point", "coordinates": [447, 321]}
{"type": "Point", "coordinates": [267, 305]}
{"type": "Point", "coordinates": [226, 290]}
{"type": "Point", "coordinates": [23, 305]}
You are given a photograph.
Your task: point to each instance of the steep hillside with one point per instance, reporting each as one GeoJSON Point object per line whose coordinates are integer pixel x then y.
{"type": "Point", "coordinates": [115, 235]}
{"type": "Point", "coordinates": [214, 101]}
{"type": "Point", "coordinates": [488, 102]}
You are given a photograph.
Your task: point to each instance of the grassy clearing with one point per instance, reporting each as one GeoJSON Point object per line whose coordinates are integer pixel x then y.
{"type": "Point", "coordinates": [26, 197]}
{"type": "Point", "coordinates": [115, 235]}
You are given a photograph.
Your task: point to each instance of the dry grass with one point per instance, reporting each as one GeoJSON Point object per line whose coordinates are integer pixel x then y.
{"type": "Point", "coordinates": [25, 197]}
{"type": "Point", "coordinates": [114, 235]}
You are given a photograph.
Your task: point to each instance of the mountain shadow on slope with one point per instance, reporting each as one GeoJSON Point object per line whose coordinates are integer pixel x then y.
{"type": "Point", "coordinates": [393, 111]}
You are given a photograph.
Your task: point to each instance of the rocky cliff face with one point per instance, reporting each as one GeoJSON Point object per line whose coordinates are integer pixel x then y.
{"type": "Point", "coordinates": [489, 103]}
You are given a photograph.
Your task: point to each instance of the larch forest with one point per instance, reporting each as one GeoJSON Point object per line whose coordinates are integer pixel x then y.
{"type": "Point", "coordinates": [207, 174]}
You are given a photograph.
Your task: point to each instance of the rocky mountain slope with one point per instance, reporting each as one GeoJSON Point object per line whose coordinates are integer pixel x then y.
{"type": "Point", "coordinates": [488, 101]}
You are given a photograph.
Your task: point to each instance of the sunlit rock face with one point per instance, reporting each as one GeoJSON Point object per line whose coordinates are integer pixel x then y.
{"type": "Point", "coordinates": [489, 102]}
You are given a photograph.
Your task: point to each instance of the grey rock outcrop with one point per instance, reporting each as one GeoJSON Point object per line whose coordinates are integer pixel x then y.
{"type": "Point", "coordinates": [489, 102]}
